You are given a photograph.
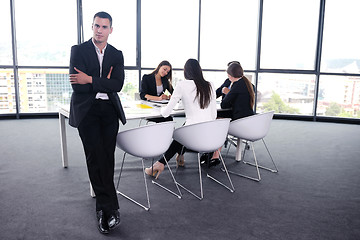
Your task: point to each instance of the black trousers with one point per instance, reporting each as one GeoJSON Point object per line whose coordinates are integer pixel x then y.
{"type": "Point", "coordinates": [160, 119]}
{"type": "Point", "coordinates": [98, 131]}
{"type": "Point", "coordinates": [224, 114]}
{"type": "Point", "coordinates": [175, 147]}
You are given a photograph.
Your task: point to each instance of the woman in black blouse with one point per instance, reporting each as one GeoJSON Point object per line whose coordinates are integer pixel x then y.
{"type": "Point", "coordinates": [155, 84]}
{"type": "Point", "coordinates": [239, 96]}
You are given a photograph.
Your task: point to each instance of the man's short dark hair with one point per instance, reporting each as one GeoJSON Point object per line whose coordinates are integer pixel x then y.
{"type": "Point", "coordinates": [103, 15]}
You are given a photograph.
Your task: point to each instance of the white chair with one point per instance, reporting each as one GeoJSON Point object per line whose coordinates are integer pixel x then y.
{"type": "Point", "coordinates": [252, 129]}
{"type": "Point", "coordinates": [201, 138]}
{"type": "Point", "coordinates": [142, 142]}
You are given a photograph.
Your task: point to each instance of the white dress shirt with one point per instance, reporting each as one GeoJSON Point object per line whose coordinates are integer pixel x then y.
{"type": "Point", "coordinates": [100, 55]}
{"type": "Point", "coordinates": [186, 91]}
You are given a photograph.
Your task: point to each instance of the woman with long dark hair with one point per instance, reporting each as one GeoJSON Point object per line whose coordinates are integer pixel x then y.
{"type": "Point", "coordinates": [239, 97]}
{"type": "Point", "coordinates": [199, 100]}
{"type": "Point", "coordinates": [154, 85]}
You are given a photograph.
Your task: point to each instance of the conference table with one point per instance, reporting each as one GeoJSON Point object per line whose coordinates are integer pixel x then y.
{"type": "Point", "coordinates": [138, 109]}
{"type": "Point", "coordinates": [133, 110]}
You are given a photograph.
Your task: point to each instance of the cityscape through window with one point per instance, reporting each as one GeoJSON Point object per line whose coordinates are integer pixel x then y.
{"type": "Point", "coordinates": [299, 54]}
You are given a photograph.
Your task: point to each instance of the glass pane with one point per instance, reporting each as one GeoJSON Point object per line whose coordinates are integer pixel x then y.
{"type": "Point", "coordinates": [218, 78]}
{"type": "Point", "coordinates": [339, 96]}
{"type": "Point", "coordinates": [228, 33]}
{"type": "Point", "coordinates": [43, 90]}
{"type": "Point", "coordinates": [289, 34]}
{"type": "Point", "coordinates": [176, 75]}
{"type": "Point", "coordinates": [131, 86]}
{"type": "Point", "coordinates": [286, 93]}
{"type": "Point", "coordinates": [341, 48]}
{"type": "Point", "coordinates": [7, 91]}
{"type": "Point", "coordinates": [45, 33]}
{"type": "Point", "coordinates": [123, 14]}
{"type": "Point", "coordinates": [5, 40]}
{"type": "Point", "coordinates": [169, 31]}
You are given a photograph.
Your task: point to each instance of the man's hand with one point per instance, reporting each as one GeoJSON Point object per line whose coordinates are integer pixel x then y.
{"type": "Point", "coordinates": [225, 90]}
{"type": "Point", "coordinates": [109, 75]}
{"type": "Point", "coordinates": [80, 77]}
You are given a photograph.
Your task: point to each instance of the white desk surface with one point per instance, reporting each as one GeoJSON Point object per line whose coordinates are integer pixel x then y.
{"type": "Point", "coordinates": [134, 110]}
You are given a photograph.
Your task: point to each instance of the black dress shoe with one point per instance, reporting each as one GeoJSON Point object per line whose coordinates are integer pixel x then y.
{"type": "Point", "coordinates": [113, 219]}
{"type": "Point", "coordinates": [204, 159]}
{"type": "Point", "coordinates": [214, 162]}
{"type": "Point", "coordinates": [102, 222]}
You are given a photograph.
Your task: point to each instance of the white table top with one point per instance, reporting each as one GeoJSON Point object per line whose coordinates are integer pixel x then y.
{"type": "Point", "coordinates": [134, 110]}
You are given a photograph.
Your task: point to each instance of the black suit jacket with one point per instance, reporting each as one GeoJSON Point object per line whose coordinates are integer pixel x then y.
{"type": "Point", "coordinates": [219, 92]}
{"type": "Point", "coordinates": [238, 99]}
{"type": "Point", "coordinates": [84, 58]}
{"type": "Point", "coordinates": [148, 85]}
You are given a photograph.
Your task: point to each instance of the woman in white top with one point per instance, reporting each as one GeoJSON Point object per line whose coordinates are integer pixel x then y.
{"type": "Point", "coordinates": [199, 100]}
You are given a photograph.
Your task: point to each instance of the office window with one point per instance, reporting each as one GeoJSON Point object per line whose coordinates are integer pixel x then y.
{"type": "Point", "coordinates": [130, 87]}
{"type": "Point", "coordinates": [7, 91]}
{"type": "Point", "coordinates": [169, 31]}
{"type": "Point", "coordinates": [123, 14]}
{"type": "Point", "coordinates": [228, 33]}
{"type": "Point", "coordinates": [45, 31]}
{"type": "Point", "coordinates": [286, 93]}
{"type": "Point", "coordinates": [289, 34]}
{"type": "Point", "coordinates": [43, 90]}
{"type": "Point", "coordinates": [218, 77]}
{"type": "Point", "coordinates": [5, 40]}
{"type": "Point", "coordinates": [339, 96]}
{"type": "Point", "coordinates": [177, 75]}
{"type": "Point", "coordinates": [341, 48]}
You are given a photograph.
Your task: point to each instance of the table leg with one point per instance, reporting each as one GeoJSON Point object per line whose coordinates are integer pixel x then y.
{"type": "Point", "coordinates": [238, 150]}
{"type": "Point", "coordinates": [64, 154]}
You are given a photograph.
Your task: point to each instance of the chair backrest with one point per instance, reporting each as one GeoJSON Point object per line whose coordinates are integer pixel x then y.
{"type": "Point", "coordinates": [203, 137]}
{"type": "Point", "coordinates": [252, 128]}
{"type": "Point", "coordinates": [146, 141]}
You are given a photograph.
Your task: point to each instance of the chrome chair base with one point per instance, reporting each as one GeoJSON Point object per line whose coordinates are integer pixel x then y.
{"type": "Point", "coordinates": [147, 208]}
{"type": "Point", "coordinates": [201, 196]}
{"type": "Point", "coordinates": [167, 189]}
{"type": "Point", "coordinates": [255, 164]}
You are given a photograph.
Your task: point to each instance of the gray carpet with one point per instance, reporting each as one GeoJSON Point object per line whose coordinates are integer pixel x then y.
{"type": "Point", "coordinates": [315, 195]}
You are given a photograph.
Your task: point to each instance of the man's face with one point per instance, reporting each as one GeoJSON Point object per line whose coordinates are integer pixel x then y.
{"type": "Point", "coordinates": [101, 29]}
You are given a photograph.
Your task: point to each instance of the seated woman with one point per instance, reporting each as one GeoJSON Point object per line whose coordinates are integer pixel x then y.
{"type": "Point", "coordinates": [239, 96]}
{"type": "Point", "coordinates": [154, 85]}
{"type": "Point", "coordinates": [222, 91]}
{"type": "Point", "coordinates": [199, 100]}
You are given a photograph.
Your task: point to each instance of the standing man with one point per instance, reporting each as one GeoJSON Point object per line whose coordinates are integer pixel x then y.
{"type": "Point", "coordinates": [96, 75]}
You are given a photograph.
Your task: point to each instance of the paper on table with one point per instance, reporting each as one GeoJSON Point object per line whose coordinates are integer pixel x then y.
{"type": "Point", "coordinates": [144, 106]}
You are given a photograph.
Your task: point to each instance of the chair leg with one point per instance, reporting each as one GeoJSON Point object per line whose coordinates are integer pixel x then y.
{"type": "Point", "coordinates": [165, 188]}
{"type": "Point", "coordinates": [272, 170]}
{"type": "Point", "coordinates": [256, 165]}
{"type": "Point", "coordinates": [200, 179]}
{"type": "Point", "coordinates": [147, 208]}
{"type": "Point", "coordinates": [272, 160]}
{"type": "Point", "coordinates": [232, 189]}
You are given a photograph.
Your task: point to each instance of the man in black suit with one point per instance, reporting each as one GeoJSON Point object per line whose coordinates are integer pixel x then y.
{"type": "Point", "coordinates": [96, 75]}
